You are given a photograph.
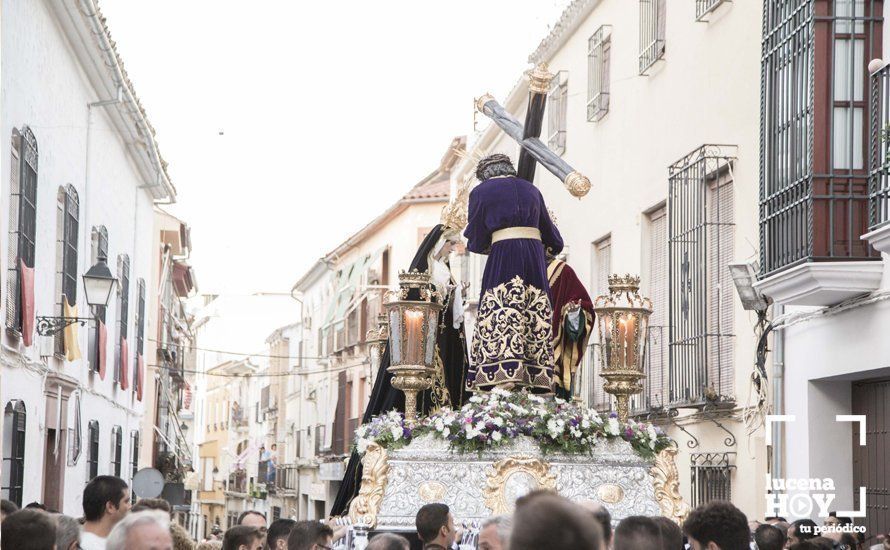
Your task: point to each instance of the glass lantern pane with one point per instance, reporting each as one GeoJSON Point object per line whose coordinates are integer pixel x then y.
{"type": "Point", "coordinates": [395, 337]}
{"type": "Point", "coordinates": [432, 324]}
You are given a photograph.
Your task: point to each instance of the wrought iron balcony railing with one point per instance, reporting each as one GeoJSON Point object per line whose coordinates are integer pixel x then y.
{"type": "Point", "coordinates": [879, 150]}
{"type": "Point", "coordinates": [287, 478]}
{"type": "Point", "coordinates": [705, 7]}
{"type": "Point", "coordinates": [815, 111]}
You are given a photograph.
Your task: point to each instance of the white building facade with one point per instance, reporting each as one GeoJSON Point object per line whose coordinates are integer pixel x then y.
{"type": "Point", "coordinates": [81, 175]}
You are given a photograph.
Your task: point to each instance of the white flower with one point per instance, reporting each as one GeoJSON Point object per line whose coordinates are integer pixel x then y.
{"type": "Point", "coordinates": [362, 446]}
{"type": "Point", "coordinates": [396, 432]}
{"type": "Point", "coordinates": [585, 424]}
{"type": "Point", "coordinates": [439, 424]}
{"type": "Point", "coordinates": [498, 421]}
{"type": "Point", "coordinates": [551, 426]}
{"type": "Point", "coordinates": [650, 431]}
{"type": "Point", "coordinates": [496, 436]}
{"type": "Point", "coordinates": [446, 432]}
{"type": "Point", "coordinates": [612, 427]}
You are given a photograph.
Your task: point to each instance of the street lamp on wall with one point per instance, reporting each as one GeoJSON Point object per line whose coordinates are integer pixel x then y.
{"type": "Point", "coordinates": [98, 284]}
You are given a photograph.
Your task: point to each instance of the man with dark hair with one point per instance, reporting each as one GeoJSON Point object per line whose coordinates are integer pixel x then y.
{"type": "Point", "coordinates": [637, 532]}
{"type": "Point", "coordinates": [389, 541]}
{"type": "Point", "coordinates": [671, 536]}
{"type": "Point", "coordinates": [310, 535]}
{"type": "Point", "coordinates": [7, 507]}
{"type": "Point", "coordinates": [717, 525]}
{"type": "Point", "coordinates": [551, 521]}
{"type": "Point", "coordinates": [252, 518]}
{"type": "Point", "coordinates": [243, 537]}
{"type": "Point", "coordinates": [279, 530]}
{"type": "Point", "coordinates": [801, 530]}
{"type": "Point", "coordinates": [768, 537]}
{"type": "Point", "coordinates": [29, 529]}
{"type": "Point", "coordinates": [106, 500]}
{"type": "Point", "coordinates": [435, 526]}
{"type": "Point", "coordinates": [602, 517]}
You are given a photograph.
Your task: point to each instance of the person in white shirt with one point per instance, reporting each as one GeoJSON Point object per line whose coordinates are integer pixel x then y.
{"type": "Point", "coordinates": [106, 500]}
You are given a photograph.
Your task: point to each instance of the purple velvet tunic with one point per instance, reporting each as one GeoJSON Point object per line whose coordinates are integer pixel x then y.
{"type": "Point", "coordinates": [511, 345]}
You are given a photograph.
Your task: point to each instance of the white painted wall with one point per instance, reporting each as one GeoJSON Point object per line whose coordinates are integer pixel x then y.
{"type": "Point", "coordinates": [44, 87]}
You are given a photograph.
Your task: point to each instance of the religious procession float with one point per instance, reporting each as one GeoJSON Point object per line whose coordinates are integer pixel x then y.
{"type": "Point", "coordinates": [479, 426]}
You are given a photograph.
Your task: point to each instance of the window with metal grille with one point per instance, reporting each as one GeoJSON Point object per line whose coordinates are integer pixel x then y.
{"type": "Point", "coordinates": [599, 48]}
{"type": "Point", "coordinates": [557, 108]}
{"type": "Point", "coordinates": [123, 311]}
{"type": "Point", "coordinates": [879, 150]}
{"type": "Point", "coordinates": [68, 216]}
{"type": "Point", "coordinates": [98, 249]}
{"type": "Point", "coordinates": [93, 450]}
{"type": "Point", "coordinates": [134, 454]}
{"type": "Point", "coordinates": [813, 179]}
{"type": "Point", "coordinates": [116, 450]}
{"type": "Point", "coordinates": [597, 398]}
{"type": "Point", "coordinates": [14, 424]}
{"type": "Point", "coordinates": [140, 329]}
{"type": "Point", "coordinates": [652, 32]}
{"type": "Point", "coordinates": [22, 220]}
{"type": "Point", "coordinates": [711, 477]}
{"type": "Point", "coordinates": [704, 7]}
{"type": "Point", "coordinates": [655, 385]}
{"type": "Point", "coordinates": [700, 245]}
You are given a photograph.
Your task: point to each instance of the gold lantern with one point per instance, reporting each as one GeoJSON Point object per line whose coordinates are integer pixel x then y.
{"type": "Point", "coordinates": [413, 327]}
{"type": "Point", "coordinates": [623, 319]}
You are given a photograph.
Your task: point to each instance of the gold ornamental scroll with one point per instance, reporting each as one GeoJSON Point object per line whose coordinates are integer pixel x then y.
{"type": "Point", "coordinates": [375, 470]}
{"type": "Point", "coordinates": [666, 481]}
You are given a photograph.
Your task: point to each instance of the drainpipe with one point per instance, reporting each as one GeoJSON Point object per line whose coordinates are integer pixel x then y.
{"type": "Point", "coordinates": [778, 433]}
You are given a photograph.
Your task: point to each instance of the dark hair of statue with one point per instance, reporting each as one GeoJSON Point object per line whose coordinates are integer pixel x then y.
{"type": "Point", "coordinates": [493, 166]}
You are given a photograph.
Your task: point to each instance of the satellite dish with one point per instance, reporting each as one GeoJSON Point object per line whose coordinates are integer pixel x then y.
{"type": "Point", "coordinates": [148, 483]}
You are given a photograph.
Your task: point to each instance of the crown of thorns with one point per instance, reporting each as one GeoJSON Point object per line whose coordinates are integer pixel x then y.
{"type": "Point", "coordinates": [490, 160]}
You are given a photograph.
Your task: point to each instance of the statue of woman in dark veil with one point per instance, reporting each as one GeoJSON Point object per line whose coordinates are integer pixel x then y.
{"type": "Point", "coordinates": [449, 381]}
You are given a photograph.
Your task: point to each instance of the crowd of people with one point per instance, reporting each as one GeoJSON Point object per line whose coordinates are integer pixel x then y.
{"type": "Point", "coordinates": [541, 520]}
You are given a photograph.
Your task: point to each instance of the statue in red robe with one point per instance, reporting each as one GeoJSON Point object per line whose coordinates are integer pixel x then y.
{"type": "Point", "coordinates": [572, 324]}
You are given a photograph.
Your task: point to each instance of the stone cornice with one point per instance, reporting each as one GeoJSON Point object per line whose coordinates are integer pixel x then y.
{"type": "Point", "coordinates": [572, 17]}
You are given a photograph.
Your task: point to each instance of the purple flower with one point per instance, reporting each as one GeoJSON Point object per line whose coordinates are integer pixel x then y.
{"type": "Point", "coordinates": [406, 433]}
{"type": "Point", "coordinates": [613, 415]}
{"type": "Point", "coordinates": [629, 433]}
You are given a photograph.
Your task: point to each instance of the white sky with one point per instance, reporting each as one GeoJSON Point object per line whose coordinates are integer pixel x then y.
{"type": "Point", "coordinates": [331, 110]}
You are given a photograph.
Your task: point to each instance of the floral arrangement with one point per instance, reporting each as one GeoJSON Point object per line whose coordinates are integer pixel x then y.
{"type": "Point", "coordinates": [492, 419]}
{"type": "Point", "coordinates": [388, 430]}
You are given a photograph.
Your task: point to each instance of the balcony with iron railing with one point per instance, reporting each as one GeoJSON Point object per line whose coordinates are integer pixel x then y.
{"type": "Point", "coordinates": [237, 483]}
{"type": "Point", "coordinates": [287, 479]}
{"type": "Point", "coordinates": [879, 161]}
{"type": "Point", "coordinates": [816, 190]}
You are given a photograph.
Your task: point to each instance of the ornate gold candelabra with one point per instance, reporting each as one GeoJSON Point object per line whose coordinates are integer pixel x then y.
{"type": "Point", "coordinates": [623, 320]}
{"type": "Point", "coordinates": [413, 313]}
{"type": "Point", "coordinates": [376, 339]}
